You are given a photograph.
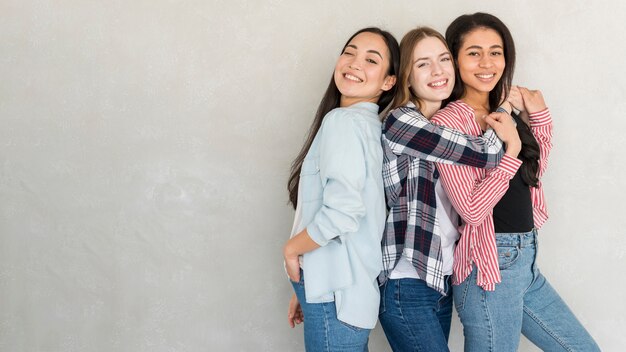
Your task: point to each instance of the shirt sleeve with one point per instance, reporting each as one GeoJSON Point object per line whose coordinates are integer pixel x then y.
{"type": "Point", "coordinates": [343, 173]}
{"type": "Point", "coordinates": [472, 194]}
{"type": "Point", "coordinates": [541, 127]}
{"type": "Point", "coordinates": [406, 131]}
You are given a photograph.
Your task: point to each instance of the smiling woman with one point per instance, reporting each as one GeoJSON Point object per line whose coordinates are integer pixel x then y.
{"type": "Point", "coordinates": [337, 189]}
{"type": "Point", "coordinates": [416, 303]}
{"type": "Point", "coordinates": [501, 293]}
{"type": "Point", "coordinates": [360, 71]}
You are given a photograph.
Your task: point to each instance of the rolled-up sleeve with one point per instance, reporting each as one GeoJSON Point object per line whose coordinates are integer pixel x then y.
{"type": "Point", "coordinates": [407, 131]}
{"type": "Point", "coordinates": [342, 172]}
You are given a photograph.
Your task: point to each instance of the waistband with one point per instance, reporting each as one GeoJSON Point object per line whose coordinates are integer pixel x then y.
{"type": "Point", "coordinates": [518, 239]}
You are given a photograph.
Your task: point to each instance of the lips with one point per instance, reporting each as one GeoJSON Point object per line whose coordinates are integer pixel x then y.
{"type": "Point", "coordinates": [438, 84]}
{"type": "Point", "coordinates": [485, 76]}
{"type": "Point", "coordinates": [352, 78]}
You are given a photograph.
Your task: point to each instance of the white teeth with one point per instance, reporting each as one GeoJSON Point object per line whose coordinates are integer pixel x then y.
{"type": "Point", "coordinates": [485, 76]}
{"type": "Point", "coordinates": [353, 78]}
{"type": "Point", "coordinates": [439, 83]}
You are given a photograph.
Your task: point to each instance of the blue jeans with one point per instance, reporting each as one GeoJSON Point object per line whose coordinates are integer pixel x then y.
{"type": "Point", "coordinates": [323, 332]}
{"type": "Point", "coordinates": [524, 303]}
{"type": "Point", "coordinates": [414, 316]}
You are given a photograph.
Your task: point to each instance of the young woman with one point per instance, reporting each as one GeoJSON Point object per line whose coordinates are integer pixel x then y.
{"type": "Point", "coordinates": [420, 233]}
{"type": "Point", "coordinates": [333, 256]}
{"type": "Point", "coordinates": [507, 201]}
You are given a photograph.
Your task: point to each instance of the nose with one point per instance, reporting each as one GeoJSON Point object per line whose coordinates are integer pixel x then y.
{"type": "Point", "coordinates": [354, 65]}
{"type": "Point", "coordinates": [485, 61]}
{"type": "Point", "coordinates": [436, 69]}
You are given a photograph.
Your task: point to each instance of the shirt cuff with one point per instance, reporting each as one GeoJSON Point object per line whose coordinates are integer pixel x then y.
{"type": "Point", "coordinates": [316, 234]}
{"type": "Point", "coordinates": [540, 118]}
{"type": "Point", "coordinates": [509, 165]}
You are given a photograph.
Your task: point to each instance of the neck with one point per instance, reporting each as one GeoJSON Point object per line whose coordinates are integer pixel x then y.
{"type": "Point", "coordinates": [347, 101]}
{"type": "Point", "coordinates": [477, 100]}
{"type": "Point", "coordinates": [428, 108]}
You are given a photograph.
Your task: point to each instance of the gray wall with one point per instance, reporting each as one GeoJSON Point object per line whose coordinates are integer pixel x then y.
{"type": "Point", "coordinates": [145, 146]}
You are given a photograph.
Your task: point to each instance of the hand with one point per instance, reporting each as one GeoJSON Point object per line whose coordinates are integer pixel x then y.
{"type": "Point", "coordinates": [505, 128]}
{"type": "Point", "coordinates": [294, 314]}
{"type": "Point", "coordinates": [292, 263]}
{"type": "Point", "coordinates": [533, 100]}
{"type": "Point", "coordinates": [515, 98]}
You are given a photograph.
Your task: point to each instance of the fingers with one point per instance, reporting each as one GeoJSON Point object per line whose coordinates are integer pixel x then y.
{"type": "Point", "coordinates": [291, 322]}
{"type": "Point", "coordinates": [491, 121]}
{"type": "Point", "coordinates": [298, 317]}
{"type": "Point", "coordinates": [533, 100]}
{"type": "Point", "coordinates": [497, 116]}
{"type": "Point", "coordinates": [291, 311]}
{"type": "Point", "coordinates": [515, 98]}
{"type": "Point", "coordinates": [503, 125]}
{"type": "Point", "coordinates": [294, 313]}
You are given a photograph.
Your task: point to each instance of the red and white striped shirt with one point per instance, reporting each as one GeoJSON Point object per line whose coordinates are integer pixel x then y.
{"type": "Point", "coordinates": [474, 192]}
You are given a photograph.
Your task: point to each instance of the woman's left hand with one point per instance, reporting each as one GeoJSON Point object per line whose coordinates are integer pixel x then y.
{"type": "Point", "coordinates": [533, 100]}
{"type": "Point", "coordinates": [516, 99]}
{"type": "Point", "coordinates": [292, 263]}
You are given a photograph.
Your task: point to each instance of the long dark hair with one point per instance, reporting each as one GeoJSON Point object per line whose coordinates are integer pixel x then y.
{"type": "Point", "coordinates": [530, 153]}
{"type": "Point", "coordinates": [331, 101]}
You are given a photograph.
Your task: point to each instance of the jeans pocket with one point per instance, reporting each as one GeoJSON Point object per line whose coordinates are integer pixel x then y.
{"type": "Point", "coordinates": [352, 327]}
{"type": "Point", "coordinates": [507, 256]}
{"type": "Point", "coordinates": [299, 282]}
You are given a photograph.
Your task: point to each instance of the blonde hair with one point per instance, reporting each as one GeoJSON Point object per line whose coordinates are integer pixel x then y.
{"type": "Point", "coordinates": [404, 94]}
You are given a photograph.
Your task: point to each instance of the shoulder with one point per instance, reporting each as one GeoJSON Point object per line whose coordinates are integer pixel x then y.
{"type": "Point", "coordinates": [360, 111]}
{"type": "Point", "coordinates": [405, 114]}
{"type": "Point", "coordinates": [453, 115]}
{"type": "Point", "coordinates": [341, 121]}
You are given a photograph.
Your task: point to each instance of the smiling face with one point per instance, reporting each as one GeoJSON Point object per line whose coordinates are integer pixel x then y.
{"type": "Point", "coordinates": [361, 70]}
{"type": "Point", "coordinates": [432, 74]}
{"type": "Point", "coordinates": [481, 61]}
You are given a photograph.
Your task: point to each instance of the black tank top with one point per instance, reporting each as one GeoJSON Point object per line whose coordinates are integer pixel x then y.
{"type": "Point", "coordinates": [514, 212]}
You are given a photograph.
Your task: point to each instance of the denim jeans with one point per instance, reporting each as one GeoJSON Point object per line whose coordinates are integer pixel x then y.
{"type": "Point", "coordinates": [323, 332]}
{"type": "Point", "coordinates": [523, 303]}
{"type": "Point", "coordinates": [414, 316]}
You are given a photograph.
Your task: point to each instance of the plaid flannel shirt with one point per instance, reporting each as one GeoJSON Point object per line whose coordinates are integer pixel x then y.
{"type": "Point", "coordinates": [411, 146]}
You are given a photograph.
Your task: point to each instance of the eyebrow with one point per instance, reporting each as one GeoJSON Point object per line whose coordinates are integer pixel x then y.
{"type": "Point", "coordinates": [497, 46]}
{"type": "Point", "coordinates": [369, 51]}
{"type": "Point", "coordinates": [426, 58]}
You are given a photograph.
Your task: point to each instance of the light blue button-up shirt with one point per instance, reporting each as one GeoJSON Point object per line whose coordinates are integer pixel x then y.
{"type": "Point", "coordinates": [341, 203]}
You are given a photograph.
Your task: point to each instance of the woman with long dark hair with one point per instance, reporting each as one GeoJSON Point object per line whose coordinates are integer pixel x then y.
{"type": "Point", "coordinates": [333, 257]}
{"type": "Point", "coordinates": [501, 293]}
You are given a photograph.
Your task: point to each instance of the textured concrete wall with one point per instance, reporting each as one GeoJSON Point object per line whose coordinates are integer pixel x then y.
{"type": "Point", "coordinates": [145, 146]}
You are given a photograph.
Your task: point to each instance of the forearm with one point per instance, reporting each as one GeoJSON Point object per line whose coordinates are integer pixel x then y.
{"type": "Point", "coordinates": [474, 198]}
{"type": "Point", "coordinates": [299, 244]}
{"type": "Point", "coordinates": [541, 127]}
{"type": "Point", "coordinates": [407, 132]}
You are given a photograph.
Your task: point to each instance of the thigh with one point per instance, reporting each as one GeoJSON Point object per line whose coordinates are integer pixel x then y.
{"type": "Point", "coordinates": [323, 331]}
{"type": "Point", "coordinates": [444, 309]}
{"type": "Point", "coordinates": [550, 324]}
{"type": "Point", "coordinates": [492, 320]}
{"type": "Point", "coordinates": [409, 316]}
